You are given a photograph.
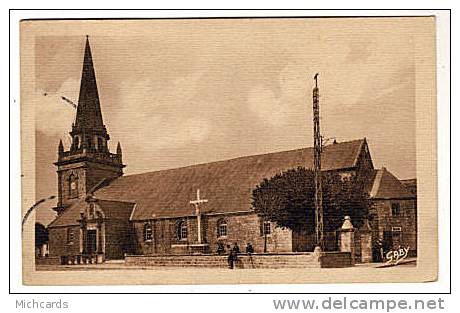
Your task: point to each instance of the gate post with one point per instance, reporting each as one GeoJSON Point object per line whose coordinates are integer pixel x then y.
{"type": "Point", "coordinates": [366, 242]}
{"type": "Point", "coordinates": [347, 238]}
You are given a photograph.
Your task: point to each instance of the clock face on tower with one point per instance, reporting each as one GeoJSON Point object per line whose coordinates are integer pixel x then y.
{"type": "Point", "coordinates": [73, 185]}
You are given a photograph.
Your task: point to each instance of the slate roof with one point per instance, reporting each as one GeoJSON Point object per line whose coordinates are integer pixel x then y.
{"type": "Point", "coordinates": [384, 185]}
{"type": "Point", "coordinates": [112, 210]}
{"type": "Point", "coordinates": [227, 185]}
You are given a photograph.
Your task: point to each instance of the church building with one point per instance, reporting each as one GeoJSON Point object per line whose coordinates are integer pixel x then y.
{"type": "Point", "coordinates": [192, 209]}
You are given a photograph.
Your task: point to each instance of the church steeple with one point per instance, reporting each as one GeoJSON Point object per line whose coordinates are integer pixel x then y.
{"type": "Point", "coordinates": [88, 161]}
{"type": "Point", "coordinates": [89, 115]}
{"type": "Point", "coordinates": [88, 131]}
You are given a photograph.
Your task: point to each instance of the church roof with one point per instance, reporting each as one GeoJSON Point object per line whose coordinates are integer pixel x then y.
{"type": "Point", "coordinates": [385, 185]}
{"type": "Point", "coordinates": [227, 185]}
{"type": "Point", "coordinates": [120, 210]}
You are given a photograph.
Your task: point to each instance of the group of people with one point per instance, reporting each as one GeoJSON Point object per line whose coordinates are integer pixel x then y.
{"type": "Point", "coordinates": [233, 252]}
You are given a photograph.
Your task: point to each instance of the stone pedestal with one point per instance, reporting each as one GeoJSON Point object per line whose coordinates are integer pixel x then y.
{"type": "Point", "coordinates": [100, 258]}
{"type": "Point", "coordinates": [366, 242]}
{"type": "Point", "coordinates": [347, 238]}
{"type": "Point", "coordinates": [318, 252]}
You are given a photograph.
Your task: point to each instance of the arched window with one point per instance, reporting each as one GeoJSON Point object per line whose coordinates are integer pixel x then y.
{"type": "Point", "coordinates": [221, 228]}
{"type": "Point", "coordinates": [182, 230]}
{"type": "Point", "coordinates": [148, 233]}
{"type": "Point", "coordinates": [73, 186]}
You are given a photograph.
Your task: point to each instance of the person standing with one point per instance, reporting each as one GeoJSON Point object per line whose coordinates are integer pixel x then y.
{"type": "Point", "coordinates": [220, 248]}
{"type": "Point", "coordinates": [233, 257]}
{"type": "Point", "coordinates": [249, 249]}
{"type": "Point", "coordinates": [230, 257]}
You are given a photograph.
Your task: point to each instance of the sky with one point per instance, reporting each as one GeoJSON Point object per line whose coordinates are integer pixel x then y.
{"type": "Point", "coordinates": [195, 91]}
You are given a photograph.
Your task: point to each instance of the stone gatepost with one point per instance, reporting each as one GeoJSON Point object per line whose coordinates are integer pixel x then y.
{"type": "Point", "coordinates": [366, 242]}
{"type": "Point", "coordinates": [347, 238]}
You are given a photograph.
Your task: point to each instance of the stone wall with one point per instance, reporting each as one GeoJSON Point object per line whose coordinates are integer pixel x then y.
{"type": "Point", "coordinates": [162, 236]}
{"type": "Point", "coordinates": [58, 244]}
{"type": "Point", "coordinates": [384, 221]}
{"type": "Point", "coordinates": [241, 228]}
{"type": "Point", "coordinates": [64, 173]}
{"type": "Point", "coordinates": [281, 260]}
{"type": "Point", "coordinates": [89, 174]}
{"type": "Point", "coordinates": [244, 228]}
{"type": "Point", "coordinates": [336, 260]}
{"type": "Point", "coordinates": [117, 236]}
{"type": "Point", "coordinates": [118, 240]}
{"type": "Point", "coordinates": [48, 261]}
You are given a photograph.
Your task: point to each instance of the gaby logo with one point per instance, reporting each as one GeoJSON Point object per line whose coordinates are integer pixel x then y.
{"type": "Point", "coordinates": [396, 256]}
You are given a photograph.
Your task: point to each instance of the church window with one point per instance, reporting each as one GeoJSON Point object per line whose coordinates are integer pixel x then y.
{"type": "Point", "coordinates": [221, 228]}
{"type": "Point", "coordinates": [73, 186]}
{"type": "Point", "coordinates": [148, 233]}
{"type": "Point", "coordinates": [395, 209]}
{"type": "Point", "coordinates": [182, 230]}
{"type": "Point", "coordinates": [70, 236]}
{"type": "Point", "coordinates": [267, 228]}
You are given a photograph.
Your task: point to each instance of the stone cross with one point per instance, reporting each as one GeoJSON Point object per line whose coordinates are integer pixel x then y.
{"type": "Point", "coordinates": [197, 203]}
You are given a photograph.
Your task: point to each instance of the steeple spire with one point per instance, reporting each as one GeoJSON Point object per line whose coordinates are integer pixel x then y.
{"type": "Point", "coordinates": [88, 160]}
{"type": "Point", "coordinates": [60, 147]}
{"type": "Point", "coordinates": [89, 115]}
{"type": "Point", "coordinates": [119, 153]}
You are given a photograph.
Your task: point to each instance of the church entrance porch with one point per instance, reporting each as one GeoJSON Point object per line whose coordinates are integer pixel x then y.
{"type": "Point", "coordinates": [92, 233]}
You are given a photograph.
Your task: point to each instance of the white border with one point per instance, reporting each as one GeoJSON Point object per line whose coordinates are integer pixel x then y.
{"type": "Point", "coordinates": [443, 83]}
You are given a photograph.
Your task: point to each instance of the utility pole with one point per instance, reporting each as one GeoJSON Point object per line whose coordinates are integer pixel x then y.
{"type": "Point", "coordinates": [317, 168]}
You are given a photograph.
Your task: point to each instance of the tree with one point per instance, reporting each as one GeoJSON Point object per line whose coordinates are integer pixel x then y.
{"type": "Point", "coordinates": [288, 199]}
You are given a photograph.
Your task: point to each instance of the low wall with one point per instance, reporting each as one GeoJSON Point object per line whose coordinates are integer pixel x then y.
{"type": "Point", "coordinates": [283, 260]}
{"type": "Point", "coordinates": [48, 261]}
{"type": "Point", "coordinates": [336, 259]}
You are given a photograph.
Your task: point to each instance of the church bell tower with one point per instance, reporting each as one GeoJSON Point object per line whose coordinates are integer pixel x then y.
{"type": "Point", "coordinates": [88, 162]}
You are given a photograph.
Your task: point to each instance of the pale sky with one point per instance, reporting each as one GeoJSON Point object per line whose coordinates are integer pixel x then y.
{"type": "Point", "coordinates": [195, 91]}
